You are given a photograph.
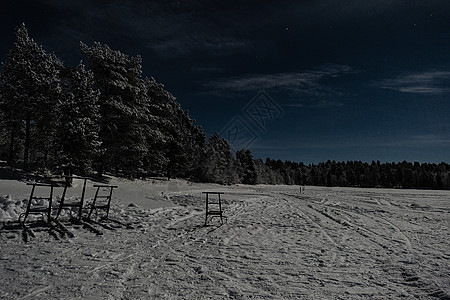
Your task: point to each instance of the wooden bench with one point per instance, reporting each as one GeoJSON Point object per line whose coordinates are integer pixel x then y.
{"type": "Point", "coordinates": [216, 212]}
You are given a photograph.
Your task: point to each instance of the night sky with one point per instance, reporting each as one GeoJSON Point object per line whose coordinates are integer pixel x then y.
{"type": "Point", "coordinates": [299, 80]}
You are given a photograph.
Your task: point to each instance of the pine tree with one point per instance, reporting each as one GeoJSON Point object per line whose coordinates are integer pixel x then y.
{"type": "Point", "coordinates": [218, 163]}
{"type": "Point", "coordinates": [175, 141]}
{"type": "Point", "coordinates": [78, 128]}
{"type": "Point", "coordinates": [30, 91]}
{"type": "Point", "coordinates": [122, 108]}
{"type": "Point", "coordinates": [246, 167]}
{"type": "Point", "coordinates": [186, 143]}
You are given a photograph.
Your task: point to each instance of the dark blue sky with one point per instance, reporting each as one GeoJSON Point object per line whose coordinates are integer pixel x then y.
{"type": "Point", "coordinates": [342, 80]}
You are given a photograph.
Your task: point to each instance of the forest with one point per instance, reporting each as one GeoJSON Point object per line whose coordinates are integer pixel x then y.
{"type": "Point", "coordinates": [105, 117]}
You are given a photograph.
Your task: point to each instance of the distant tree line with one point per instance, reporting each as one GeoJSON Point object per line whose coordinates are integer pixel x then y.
{"type": "Point", "coordinates": [359, 174]}
{"type": "Point", "coordinates": [105, 117]}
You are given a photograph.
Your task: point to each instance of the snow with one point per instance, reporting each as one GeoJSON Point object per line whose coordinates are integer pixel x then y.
{"type": "Point", "coordinates": [278, 243]}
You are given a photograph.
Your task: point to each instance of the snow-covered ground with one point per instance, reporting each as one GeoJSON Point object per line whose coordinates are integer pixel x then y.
{"type": "Point", "coordinates": [278, 243]}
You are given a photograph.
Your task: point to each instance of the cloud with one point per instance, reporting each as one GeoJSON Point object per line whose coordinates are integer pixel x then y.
{"type": "Point", "coordinates": [430, 140]}
{"type": "Point", "coordinates": [308, 103]}
{"type": "Point", "coordinates": [206, 69]}
{"type": "Point", "coordinates": [307, 82]}
{"type": "Point", "coordinates": [185, 45]}
{"type": "Point", "coordinates": [304, 89]}
{"type": "Point", "coordinates": [430, 82]}
{"type": "Point", "coordinates": [169, 29]}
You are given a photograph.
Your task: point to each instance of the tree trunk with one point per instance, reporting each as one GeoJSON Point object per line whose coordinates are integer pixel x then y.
{"type": "Point", "coordinates": [11, 148]}
{"type": "Point", "coordinates": [44, 160]}
{"type": "Point", "coordinates": [27, 144]}
{"type": "Point", "coordinates": [68, 172]}
{"type": "Point", "coordinates": [100, 169]}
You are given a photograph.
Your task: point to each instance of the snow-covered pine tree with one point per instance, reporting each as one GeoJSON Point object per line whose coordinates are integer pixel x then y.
{"type": "Point", "coordinates": [30, 91]}
{"type": "Point", "coordinates": [9, 130]}
{"type": "Point", "coordinates": [186, 143]}
{"type": "Point", "coordinates": [246, 167]}
{"type": "Point", "coordinates": [175, 142]}
{"type": "Point", "coordinates": [159, 122]}
{"type": "Point", "coordinates": [218, 163]}
{"type": "Point", "coordinates": [197, 144]}
{"type": "Point", "coordinates": [4, 134]}
{"type": "Point", "coordinates": [78, 128]}
{"type": "Point", "coordinates": [142, 125]}
{"type": "Point", "coordinates": [122, 108]}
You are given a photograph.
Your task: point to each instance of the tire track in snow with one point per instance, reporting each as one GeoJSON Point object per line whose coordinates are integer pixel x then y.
{"type": "Point", "coordinates": [345, 256]}
{"type": "Point", "coordinates": [305, 215]}
{"type": "Point", "coordinates": [364, 232]}
{"type": "Point", "coordinates": [420, 285]}
{"type": "Point", "coordinates": [250, 232]}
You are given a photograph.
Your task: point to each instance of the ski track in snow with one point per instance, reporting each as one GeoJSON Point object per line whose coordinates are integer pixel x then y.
{"type": "Point", "coordinates": [326, 243]}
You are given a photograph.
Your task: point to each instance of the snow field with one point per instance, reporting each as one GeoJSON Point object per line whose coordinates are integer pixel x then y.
{"type": "Point", "coordinates": [326, 243]}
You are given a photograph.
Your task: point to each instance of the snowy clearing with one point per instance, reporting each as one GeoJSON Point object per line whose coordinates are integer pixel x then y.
{"type": "Point", "coordinates": [278, 243]}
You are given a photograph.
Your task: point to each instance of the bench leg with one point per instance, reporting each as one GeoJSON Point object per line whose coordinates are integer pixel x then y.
{"type": "Point", "coordinates": [93, 203]}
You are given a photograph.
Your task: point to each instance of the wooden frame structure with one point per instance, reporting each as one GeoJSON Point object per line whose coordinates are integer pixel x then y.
{"type": "Point", "coordinates": [213, 213]}
{"type": "Point", "coordinates": [38, 209]}
{"type": "Point", "coordinates": [106, 203]}
{"type": "Point", "coordinates": [63, 203]}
